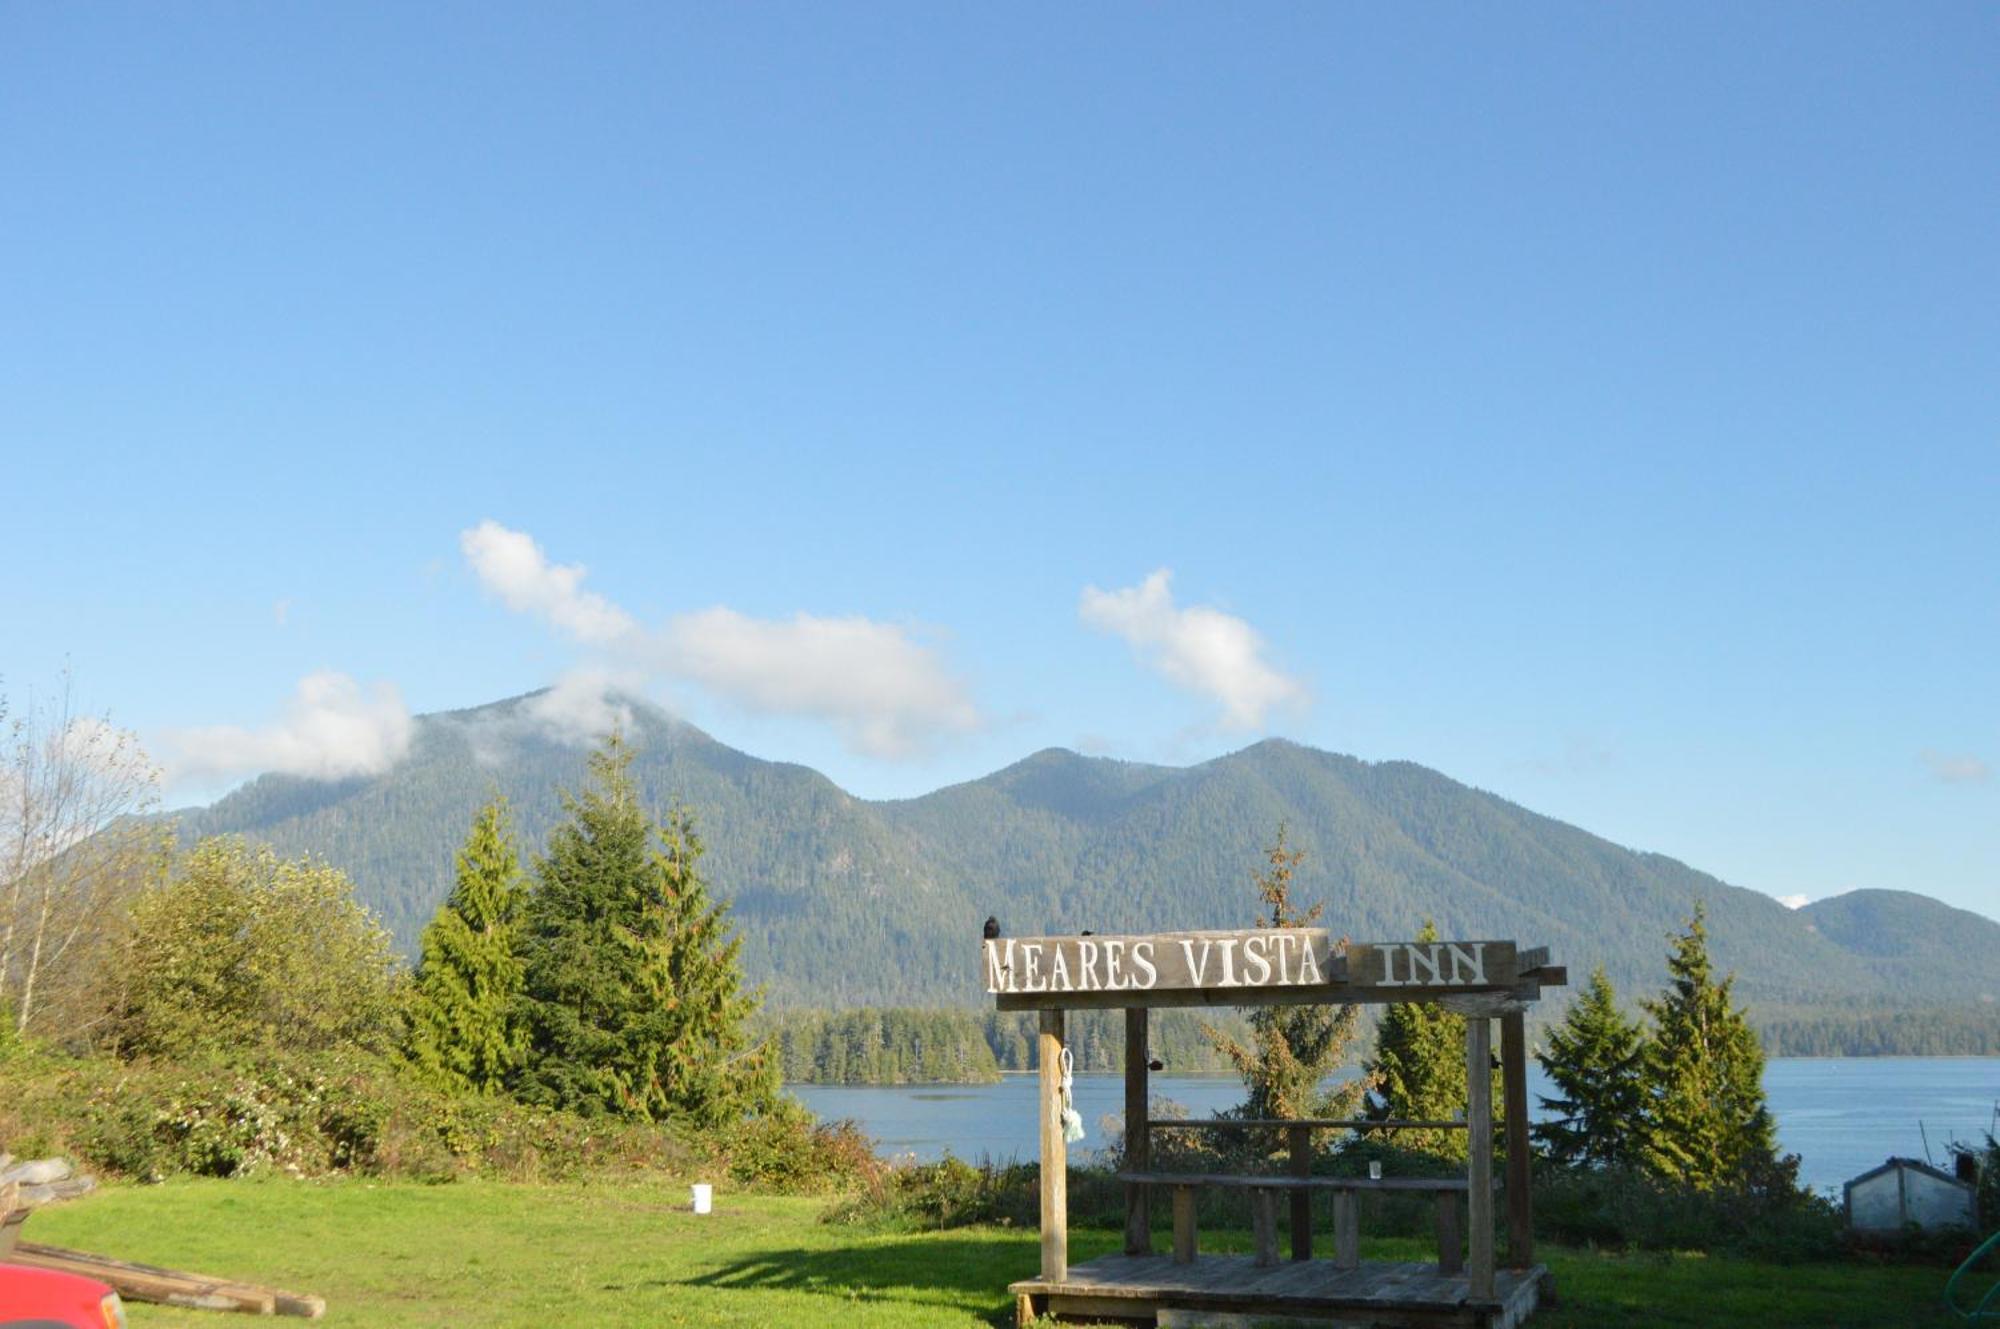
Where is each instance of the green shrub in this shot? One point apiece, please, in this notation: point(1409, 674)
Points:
point(1621, 1209)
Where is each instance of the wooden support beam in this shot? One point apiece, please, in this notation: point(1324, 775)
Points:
point(169, 1287)
point(1520, 1182)
point(1299, 1140)
point(1184, 1238)
point(1346, 1230)
point(1138, 1134)
point(1055, 1153)
point(1451, 1234)
point(1479, 1166)
point(1264, 1225)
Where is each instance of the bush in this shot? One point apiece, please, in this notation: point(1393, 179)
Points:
point(357, 1113)
point(949, 1193)
point(1623, 1209)
point(787, 1150)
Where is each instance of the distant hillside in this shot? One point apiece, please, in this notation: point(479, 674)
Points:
point(843, 901)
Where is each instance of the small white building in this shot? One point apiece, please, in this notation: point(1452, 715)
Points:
point(1902, 1192)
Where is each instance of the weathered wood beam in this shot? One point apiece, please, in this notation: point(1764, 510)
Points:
point(1298, 1142)
point(1055, 1152)
point(170, 1287)
point(1479, 1164)
point(1184, 1236)
point(1212, 998)
point(1313, 1123)
point(1514, 1087)
point(1138, 1134)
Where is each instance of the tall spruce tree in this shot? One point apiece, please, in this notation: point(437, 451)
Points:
point(1418, 1071)
point(465, 1030)
point(634, 995)
point(1596, 1060)
point(1292, 1049)
point(1707, 1124)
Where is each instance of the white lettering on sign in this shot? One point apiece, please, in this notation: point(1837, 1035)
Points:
point(1433, 964)
point(1281, 957)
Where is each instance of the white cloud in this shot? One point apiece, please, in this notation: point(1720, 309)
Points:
point(281, 612)
point(1956, 767)
point(584, 705)
point(1794, 901)
point(887, 693)
point(511, 565)
point(332, 730)
point(1198, 648)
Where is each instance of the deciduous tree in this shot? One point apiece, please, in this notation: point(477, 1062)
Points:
point(241, 950)
point(76, 845)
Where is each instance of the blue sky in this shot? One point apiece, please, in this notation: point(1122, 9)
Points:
point(1595, 404)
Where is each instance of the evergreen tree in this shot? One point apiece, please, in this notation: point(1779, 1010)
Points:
point(1418, 1071)
point(1292, 1049)
point(1706, 1121)
point(634, 995)
point(465, 1030)
point(1596, 1059)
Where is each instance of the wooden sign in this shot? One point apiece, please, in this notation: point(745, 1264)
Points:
point(1432, 965)
point(1254, 958)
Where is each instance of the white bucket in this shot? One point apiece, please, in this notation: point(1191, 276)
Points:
point(704, 1197)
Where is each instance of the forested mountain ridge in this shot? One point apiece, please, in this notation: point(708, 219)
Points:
point(843, 901)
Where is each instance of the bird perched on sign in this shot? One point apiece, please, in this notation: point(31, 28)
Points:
point(992, 928)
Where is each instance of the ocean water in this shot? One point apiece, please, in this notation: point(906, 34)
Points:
point(1842, 1116)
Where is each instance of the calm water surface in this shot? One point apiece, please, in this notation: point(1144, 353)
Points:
point(1842, 1116)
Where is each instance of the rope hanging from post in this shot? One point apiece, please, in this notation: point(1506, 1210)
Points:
point(1066, 1114)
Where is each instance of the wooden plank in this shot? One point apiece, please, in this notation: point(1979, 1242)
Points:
point(1316, 1123)
point(1520, 1182)
point(1346, 1230)
point(1298, 1139)
point(1217, 998)
point(1184, 1237)
point(1055, 1151)
point(169, 1287)
point(1450, 1234)
point(1138, 1134)
point(1239, 1181)
point(1479, 1170)
point(1264, 1225)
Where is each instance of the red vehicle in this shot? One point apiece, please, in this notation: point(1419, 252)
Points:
point(45, 1299)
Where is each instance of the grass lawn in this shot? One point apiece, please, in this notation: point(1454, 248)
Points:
point(488, 1254)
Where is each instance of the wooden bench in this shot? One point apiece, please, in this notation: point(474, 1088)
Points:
point(1346, 1214)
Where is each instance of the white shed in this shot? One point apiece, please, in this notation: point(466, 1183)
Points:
point(1903, 1191)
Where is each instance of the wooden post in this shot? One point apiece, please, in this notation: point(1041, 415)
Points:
point(1299, 1138)
point(1346, 1230)
point(1184, 1225)
point(1451, 1241)
point(1479, 1164)
point(1055, 1153)
point(1520, 1182)
point(1138, 1137)
point(1264, 1225)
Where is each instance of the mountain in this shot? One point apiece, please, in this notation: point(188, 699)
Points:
point(844, 901)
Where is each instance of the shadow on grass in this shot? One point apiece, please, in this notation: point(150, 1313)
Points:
point(967, 1273)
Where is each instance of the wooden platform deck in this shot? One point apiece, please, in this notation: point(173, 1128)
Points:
point(1225, 1290)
